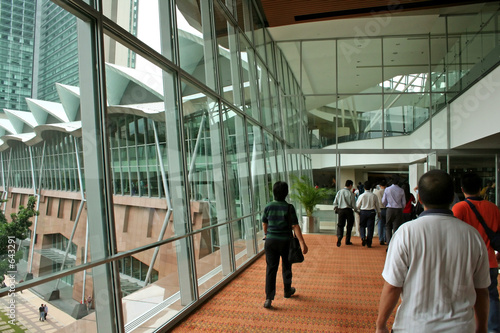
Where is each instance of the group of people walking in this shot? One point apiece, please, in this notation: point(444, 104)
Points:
point(442, 265)
point(390, 205)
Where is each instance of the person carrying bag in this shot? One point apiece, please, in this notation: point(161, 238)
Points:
point(278, 221)
point(295, 254)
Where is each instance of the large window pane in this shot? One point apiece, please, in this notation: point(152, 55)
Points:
point(360, 60)
point(196, 47)
point(359, 117)
point(257, 171)
point(238, 168)
point(322, 77)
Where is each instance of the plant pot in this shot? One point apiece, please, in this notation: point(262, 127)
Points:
point(310, 224)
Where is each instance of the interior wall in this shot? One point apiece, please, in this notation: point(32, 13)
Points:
point(475, 114)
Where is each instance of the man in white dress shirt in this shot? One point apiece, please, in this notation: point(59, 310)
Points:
point(345, 203)
point(439, 266)
point(368, 207)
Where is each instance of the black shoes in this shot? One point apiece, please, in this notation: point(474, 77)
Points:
point(382, 243)
point(363, 241)
point(348, 243)
point(339, 242)
point(287, 294)
point(268, 302)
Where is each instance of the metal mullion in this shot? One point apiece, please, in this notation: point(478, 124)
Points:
point(177, 170)
point(102, 229)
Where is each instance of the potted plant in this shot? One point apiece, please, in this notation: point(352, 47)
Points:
point(309, 196)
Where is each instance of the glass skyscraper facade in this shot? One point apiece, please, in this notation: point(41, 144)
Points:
point(159, 127)
point(17, 30)
point(56, 50)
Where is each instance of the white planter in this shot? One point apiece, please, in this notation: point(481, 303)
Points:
point(310, 225)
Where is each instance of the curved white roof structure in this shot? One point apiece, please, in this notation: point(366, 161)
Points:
point(30, 126)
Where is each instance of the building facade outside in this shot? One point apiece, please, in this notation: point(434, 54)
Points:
point(153, 155)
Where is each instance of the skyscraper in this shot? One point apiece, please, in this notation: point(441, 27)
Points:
point(17, 29)
point(56, 51)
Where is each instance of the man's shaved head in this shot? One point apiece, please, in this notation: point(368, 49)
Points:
point(435, 189)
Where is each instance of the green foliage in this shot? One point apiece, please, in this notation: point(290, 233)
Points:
point(308, 195)
point(19, 226)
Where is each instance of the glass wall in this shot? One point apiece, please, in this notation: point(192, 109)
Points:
point(151, 175)
point(378, 87)
point(151, 171)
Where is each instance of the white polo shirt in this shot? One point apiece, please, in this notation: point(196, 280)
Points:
point(439, 261)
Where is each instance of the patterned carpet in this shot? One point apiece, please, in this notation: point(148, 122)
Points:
point(338, 290)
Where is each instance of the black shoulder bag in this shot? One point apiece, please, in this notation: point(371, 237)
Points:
point(295, 252)
point(492, 235)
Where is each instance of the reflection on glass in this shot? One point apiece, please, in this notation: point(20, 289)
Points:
point(145, 300)
point(227, 50)
point(250, 91)
point(292, 52)
point(204, 153)
point(257, 166)
point(213, 259)
point(265, 98)
point(195, 41)
point(359, 117)
point(244, 241)
point(405, 112)
point(258, 32)
point(237, 164)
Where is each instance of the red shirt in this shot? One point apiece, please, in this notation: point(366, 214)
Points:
point(409, 204)
point(491, 215)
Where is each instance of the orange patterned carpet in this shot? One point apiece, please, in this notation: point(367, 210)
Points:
point(338, 290)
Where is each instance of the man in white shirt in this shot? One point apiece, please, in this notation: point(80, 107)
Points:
point(439, 267)
point(368, 207)
point(344, 204)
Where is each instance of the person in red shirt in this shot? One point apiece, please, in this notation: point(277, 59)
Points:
point(410, 201)
point(471, 187)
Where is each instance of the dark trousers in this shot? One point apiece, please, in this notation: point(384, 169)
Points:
point(367, 223)
point(345, 215)
point(276, 248)
point(394, 219)
point(494, 316)
point(381, 225)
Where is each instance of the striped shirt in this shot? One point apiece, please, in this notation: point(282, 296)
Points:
point(275, 215)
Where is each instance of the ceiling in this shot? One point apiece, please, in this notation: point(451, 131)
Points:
point(288, 12)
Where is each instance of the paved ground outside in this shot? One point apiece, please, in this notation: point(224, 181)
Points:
point(27, 316)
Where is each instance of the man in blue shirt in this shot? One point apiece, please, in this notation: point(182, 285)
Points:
point(394, 200)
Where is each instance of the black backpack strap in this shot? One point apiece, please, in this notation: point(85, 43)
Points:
point(489, 232)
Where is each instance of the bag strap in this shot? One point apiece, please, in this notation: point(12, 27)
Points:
point(289, 219)
point(489, 232)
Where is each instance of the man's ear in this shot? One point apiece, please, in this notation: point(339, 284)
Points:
point(418, 197)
